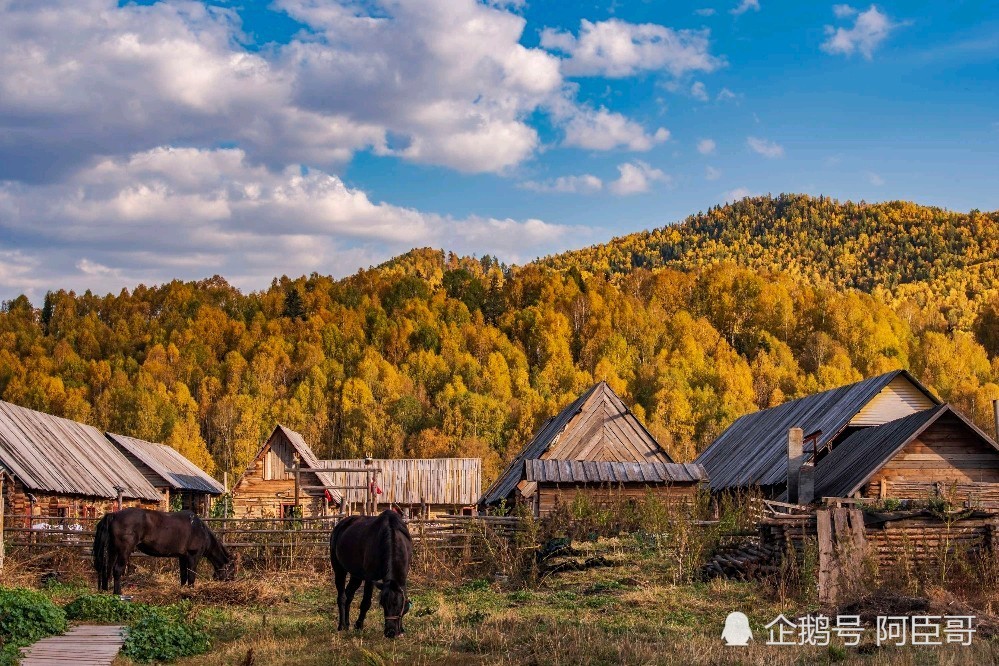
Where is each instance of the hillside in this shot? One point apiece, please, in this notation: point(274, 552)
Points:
point(435, 355)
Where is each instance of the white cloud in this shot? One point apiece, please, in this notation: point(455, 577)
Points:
point(637, 177)
point(769, 149)
point(868, 31)
point(745, 6)
point(706, 146)
point(699, 91)
point(600, 129)
point(438, 81)
point(583, 184)
point(711, 173)
point(616, 49)
point(187, 213)
point(875, 179)
point(843, 11)
point(706, 11)
point(736, 194)
point(725, 94)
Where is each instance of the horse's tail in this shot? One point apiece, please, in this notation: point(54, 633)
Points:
point(103, 561)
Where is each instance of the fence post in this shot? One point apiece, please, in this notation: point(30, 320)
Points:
point(2, 474)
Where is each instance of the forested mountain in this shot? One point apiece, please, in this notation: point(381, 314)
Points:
point(435, 355)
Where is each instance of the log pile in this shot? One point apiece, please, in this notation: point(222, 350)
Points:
point(754, 558)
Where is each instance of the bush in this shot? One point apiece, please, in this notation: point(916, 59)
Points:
point(104, 608)
point(25, 617)
point(159, 636)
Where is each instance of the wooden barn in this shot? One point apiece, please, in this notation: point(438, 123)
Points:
point(267, 489)
point(594, 446)
point(181, 482)
point(63, 469)
point(425, 487)
point(752, 453)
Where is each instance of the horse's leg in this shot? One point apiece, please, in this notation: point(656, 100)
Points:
point(355, 582)
point(120, 564)
point(365, 604)
point(340, 578)
point(192, 571)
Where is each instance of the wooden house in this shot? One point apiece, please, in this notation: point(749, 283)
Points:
point(182, 483)
point(753, 451)
point(594, 446)
point(267, 489)
point(425, 487)
point(62, 469)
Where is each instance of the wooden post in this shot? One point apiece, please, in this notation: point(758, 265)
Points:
point(995, 415)
point(120, 501)
point(2, 474)
point(298, 480)
point(794, 460)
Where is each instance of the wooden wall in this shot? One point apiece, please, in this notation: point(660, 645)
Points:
point(948, 453)
point(548, 494)
point(257, 497)
point(16, 504)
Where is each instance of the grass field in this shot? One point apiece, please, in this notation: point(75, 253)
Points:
point(629, 613)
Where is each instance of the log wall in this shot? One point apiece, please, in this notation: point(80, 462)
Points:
point(549, 494)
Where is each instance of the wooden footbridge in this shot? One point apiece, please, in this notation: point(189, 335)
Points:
point(87, 645)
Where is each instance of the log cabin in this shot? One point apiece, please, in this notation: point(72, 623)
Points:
point(183, 484)
point(57, 468)
point(597, 447)
point(267, 489)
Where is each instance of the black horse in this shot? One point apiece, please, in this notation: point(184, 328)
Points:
point(375, 550)
point(182, 535)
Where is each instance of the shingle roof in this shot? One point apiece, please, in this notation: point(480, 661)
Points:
point(854, 460)
point(753, 450)
point(615, 424)
point(49, 453)
point(176, 471)
point(590, 471)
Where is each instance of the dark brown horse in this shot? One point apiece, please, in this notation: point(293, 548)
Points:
point(376, 551)
point(182, 535)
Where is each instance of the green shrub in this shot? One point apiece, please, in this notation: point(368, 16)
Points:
point(161, 636)
point(104, 608)
point(25, 617)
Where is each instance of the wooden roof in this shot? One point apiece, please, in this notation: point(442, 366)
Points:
point(589, 471)
point(857, 458)
point(595, 426)
point(53, 454)
point(456, 481)
point(176, 471)
point(753, 450)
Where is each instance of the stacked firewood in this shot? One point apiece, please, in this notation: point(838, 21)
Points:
point(750, 559)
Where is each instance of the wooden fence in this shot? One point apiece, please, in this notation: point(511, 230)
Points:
point(266, 541)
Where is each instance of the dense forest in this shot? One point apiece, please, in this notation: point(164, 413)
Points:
point(431, 354)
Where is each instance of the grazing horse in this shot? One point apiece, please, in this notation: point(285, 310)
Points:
point(182, 535)
point(376, 551)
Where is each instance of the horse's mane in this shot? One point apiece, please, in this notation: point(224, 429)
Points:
point(390, 522)
point(214, 545)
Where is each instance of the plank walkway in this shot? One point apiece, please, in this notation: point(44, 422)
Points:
point(86, 645)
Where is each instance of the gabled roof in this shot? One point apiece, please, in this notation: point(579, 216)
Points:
point(52, 454)
point(174, 469)
point(455, 481)
point(753, 450)
point(308, 458)
point(858, 457)
point(590, 471)
point(595, 419)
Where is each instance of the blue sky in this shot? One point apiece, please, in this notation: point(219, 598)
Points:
point(141, 142)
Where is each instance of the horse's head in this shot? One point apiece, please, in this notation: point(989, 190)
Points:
point(222, 560)
point(395, 602)
point(226, 571)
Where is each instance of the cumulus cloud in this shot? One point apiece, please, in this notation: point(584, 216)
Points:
point(745, 6)
point(705, 11)
point(616, 49)
point(600, 129)
point(736, 194)
point(725, 94)
point(699, 91)
point(437, 81)
point(637, 177)
point(117, 222)
point(769, 149)
point(875, 179)
point(711, 173)
point(706, 146)
point(868, 31)
point(583, 184)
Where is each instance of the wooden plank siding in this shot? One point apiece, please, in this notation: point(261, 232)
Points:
point(551, 494)
point(896, 400)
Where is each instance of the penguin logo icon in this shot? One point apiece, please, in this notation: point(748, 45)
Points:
point(737, 631)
